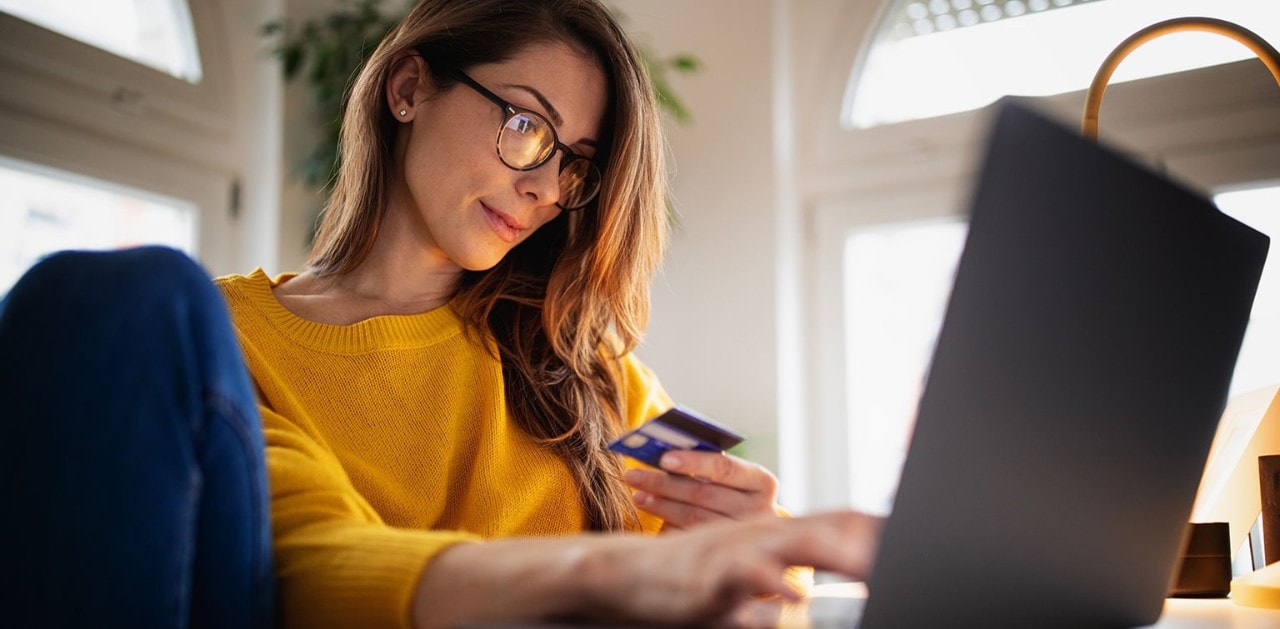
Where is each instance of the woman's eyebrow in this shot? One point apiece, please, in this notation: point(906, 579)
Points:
point(550, 109)
point(542, 100)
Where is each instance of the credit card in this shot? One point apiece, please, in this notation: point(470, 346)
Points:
point(676, 429)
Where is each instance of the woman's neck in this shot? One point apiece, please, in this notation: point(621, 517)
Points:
point(404, 269)
point(404, 273)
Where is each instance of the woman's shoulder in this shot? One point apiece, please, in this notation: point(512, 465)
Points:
point(252, 286)
point(642, 393)
point(307, 297)
point(301, 295)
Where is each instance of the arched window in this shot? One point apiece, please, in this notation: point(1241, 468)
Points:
point(156, 33)
point(892, 175)
point(934, 57)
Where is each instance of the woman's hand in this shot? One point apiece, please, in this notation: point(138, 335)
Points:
point(697, 577)
point(711, 571)
point(696, 487)
point(707, 574)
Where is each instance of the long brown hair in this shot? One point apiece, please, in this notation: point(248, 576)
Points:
point(573, 298)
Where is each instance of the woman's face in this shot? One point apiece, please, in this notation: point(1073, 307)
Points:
point(464, 203)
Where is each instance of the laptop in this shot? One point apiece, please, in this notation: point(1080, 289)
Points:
point(1085, 358)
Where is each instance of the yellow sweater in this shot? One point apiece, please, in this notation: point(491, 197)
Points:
point(387, 441)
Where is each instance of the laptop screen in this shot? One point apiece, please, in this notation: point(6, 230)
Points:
point(1084, 360)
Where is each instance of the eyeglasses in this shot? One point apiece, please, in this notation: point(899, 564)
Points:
point(526, 140)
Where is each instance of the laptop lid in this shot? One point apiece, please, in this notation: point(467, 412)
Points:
point(1084, 361)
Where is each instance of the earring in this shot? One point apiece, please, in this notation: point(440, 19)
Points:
point(404, 112)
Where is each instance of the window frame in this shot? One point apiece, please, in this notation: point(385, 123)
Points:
point(74, 107)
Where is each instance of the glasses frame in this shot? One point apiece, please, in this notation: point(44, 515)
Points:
point(509, 111)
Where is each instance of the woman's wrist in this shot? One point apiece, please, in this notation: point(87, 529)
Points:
point(597, 573)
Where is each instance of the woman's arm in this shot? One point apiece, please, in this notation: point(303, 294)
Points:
point(337, 563)
point(692, 576)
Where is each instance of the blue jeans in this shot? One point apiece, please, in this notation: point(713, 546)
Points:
point(133, 491)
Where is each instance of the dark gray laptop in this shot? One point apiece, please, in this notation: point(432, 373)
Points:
point(1084, 361)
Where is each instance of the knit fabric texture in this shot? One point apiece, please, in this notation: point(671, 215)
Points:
point(389, 440)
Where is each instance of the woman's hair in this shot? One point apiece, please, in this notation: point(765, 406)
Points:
point(566, 304)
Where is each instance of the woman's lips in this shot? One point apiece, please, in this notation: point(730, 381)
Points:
point(503, 224)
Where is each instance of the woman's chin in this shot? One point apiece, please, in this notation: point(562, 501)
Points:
point(479, 261)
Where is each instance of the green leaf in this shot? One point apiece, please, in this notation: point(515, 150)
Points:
point(686, 63)
point(321, 65)
point(291, 56)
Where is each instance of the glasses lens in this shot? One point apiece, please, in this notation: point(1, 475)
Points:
point(525, 141)
point(579, 183)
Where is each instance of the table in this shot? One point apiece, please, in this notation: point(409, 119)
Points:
point(834, 600)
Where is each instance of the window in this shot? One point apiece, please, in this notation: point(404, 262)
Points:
point(897, 279)
point(155, 33)
point(45, 210)
point(1257, 366)
point(933, 57)
point(86, 112)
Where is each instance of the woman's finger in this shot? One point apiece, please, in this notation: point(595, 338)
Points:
point(704, 494)
point(675, 514)
point(720, 468)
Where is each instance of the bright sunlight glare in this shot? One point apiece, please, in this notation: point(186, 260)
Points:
point(1040, 54)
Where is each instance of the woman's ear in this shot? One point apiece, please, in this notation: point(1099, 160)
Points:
point(407, 86)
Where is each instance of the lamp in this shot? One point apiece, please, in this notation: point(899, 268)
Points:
point(1230, 490)
point(1093, 99)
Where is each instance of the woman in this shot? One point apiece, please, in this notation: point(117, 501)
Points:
point(537, 247)
point(452, 364)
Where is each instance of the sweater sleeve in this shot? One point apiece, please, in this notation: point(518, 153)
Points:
point(643, 394)
point(337, 563)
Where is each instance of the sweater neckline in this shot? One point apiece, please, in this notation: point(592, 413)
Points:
point(375, 333)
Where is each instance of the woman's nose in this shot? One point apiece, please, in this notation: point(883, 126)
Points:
point(542, 183)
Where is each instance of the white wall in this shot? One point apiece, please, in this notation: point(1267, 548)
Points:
point(712, 335)
point(298, 202)
point(258, 133)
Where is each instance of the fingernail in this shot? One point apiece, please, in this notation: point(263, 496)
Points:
point(633, 477)
point(672, 461)
point(641, 498)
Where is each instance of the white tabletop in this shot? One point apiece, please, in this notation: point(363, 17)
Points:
point(1215, 613)
point(831, 600)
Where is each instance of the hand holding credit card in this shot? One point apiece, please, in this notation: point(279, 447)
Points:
point(676, 429)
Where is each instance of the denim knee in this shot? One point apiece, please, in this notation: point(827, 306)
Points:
point(87, 278)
